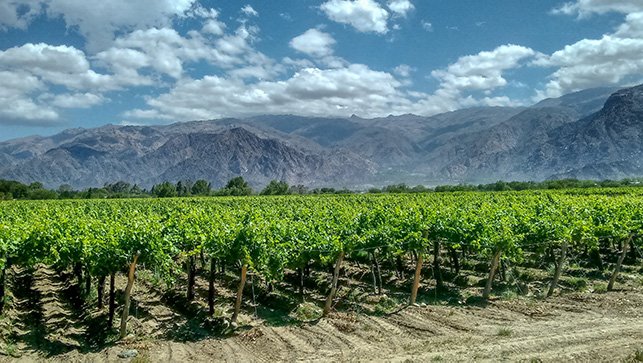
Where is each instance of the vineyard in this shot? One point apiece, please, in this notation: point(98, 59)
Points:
point(221, 263)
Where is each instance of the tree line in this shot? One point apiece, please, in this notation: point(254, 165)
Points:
point(238, 186)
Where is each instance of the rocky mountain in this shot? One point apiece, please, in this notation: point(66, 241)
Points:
point(594, 133)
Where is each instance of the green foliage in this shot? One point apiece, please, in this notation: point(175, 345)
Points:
point(307, 312)
point(164, 190)
point(272, 235)
point(236, 187)
point(275, 188)
point(201, 187)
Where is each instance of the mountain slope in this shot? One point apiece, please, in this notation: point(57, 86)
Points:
point(95, 157)
point(583, 135)
point(607, 144)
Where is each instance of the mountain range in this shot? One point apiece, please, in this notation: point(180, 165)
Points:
point(591, 134)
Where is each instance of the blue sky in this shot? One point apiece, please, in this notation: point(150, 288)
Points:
point(78, 63)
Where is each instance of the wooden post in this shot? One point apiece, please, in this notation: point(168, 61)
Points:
point(300, 274)
point(378, 272)
point(416, 279)
point(617, 269)
point(191, 278)
point(333, 285)
point(436, 264)
point(242, 284)
point(400, 266)
point(112, 300)
point(492, 272)
point(559, 269)
point(128, 292)
point(213, 271)
point(88, 281)
point(100, 289)
point(373, 274)
point(3, 279)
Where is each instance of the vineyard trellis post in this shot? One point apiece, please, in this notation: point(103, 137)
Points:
point(492, 272)
point(333, 285)
point(619, 263)
point(559, 269)
point(128, 292)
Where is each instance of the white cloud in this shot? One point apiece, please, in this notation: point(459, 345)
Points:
point(95, 20)
point(249, 11)
point(211, 24)
point(17, 107)
point(340, 90)
point(75, 100)
point(98, 21)
point(167, 52)
point(363, 15)
point(314, 43)
point(199, 11)
point(214, 27)
point(592, 63)
point(59, 65)
point(427, 26)
point(610, 60)
point(310, 91)
point(584, 8)
point(28, 74)
point(482, 71)
point(632, 28)
point(404, 70)
point(18, 14)
point(400, 7)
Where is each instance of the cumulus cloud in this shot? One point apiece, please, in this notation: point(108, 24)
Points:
point(214, 27)
point(310, 91)
point(314, 43)
point(592, 63)
point(400, 7)
point(74, 100)
point(18, 14)
point(404, 70)
point(584, 8)
point(482, 71)
point(363, 15)
point(31, 71)
point(610, 60)
point(632, 28)
point(59, 65)
point(165, 51)
point(97, 21)
point(17, 105)
point(249, 11)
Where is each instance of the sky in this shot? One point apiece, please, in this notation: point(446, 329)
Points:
point(78, 63)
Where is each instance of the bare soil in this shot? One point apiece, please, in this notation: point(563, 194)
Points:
point(573, 326)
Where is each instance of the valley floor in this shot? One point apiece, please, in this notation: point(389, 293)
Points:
point(572, 327)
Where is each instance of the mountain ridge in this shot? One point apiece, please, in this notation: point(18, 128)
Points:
point(570, 136)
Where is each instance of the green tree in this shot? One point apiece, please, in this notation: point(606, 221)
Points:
point(36, 185)
point(164, 190)
point(65, 191)
point(236, 186)
point(275, 188)
point(184, 188)
point(201, 187)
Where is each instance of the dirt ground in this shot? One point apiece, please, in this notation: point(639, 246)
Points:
point(575, 327)
point(49, 323)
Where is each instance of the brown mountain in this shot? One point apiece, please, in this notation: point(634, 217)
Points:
point(587, 134)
